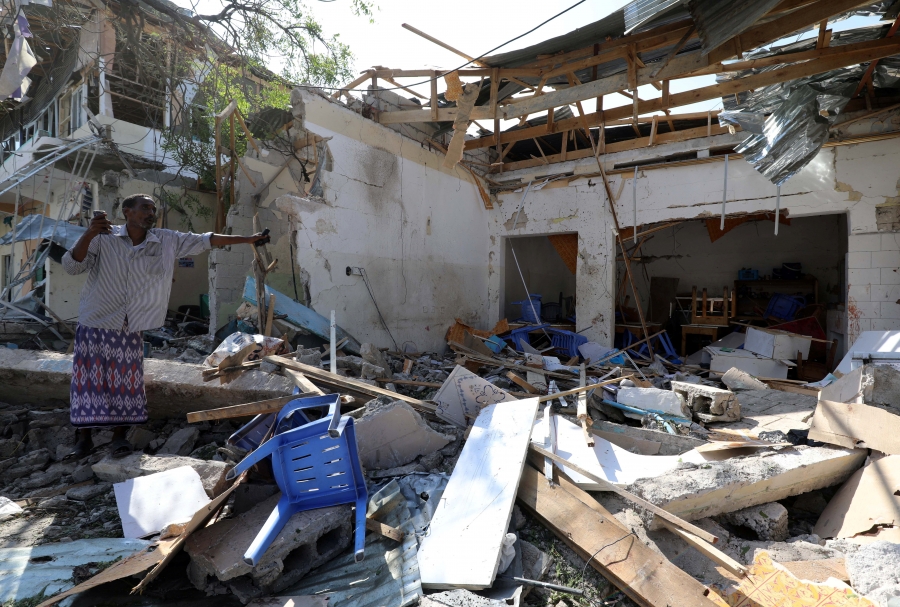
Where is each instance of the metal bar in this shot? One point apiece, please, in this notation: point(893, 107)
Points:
point(44, 162)
point(724, 195)
point(777, 209)
point(634, 202)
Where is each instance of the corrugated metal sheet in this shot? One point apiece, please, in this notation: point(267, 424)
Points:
point(720, 20)
point(29, 228)
point(640, 12)
point(389, 575)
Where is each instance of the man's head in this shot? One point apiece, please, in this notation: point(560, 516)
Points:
point(139, 211)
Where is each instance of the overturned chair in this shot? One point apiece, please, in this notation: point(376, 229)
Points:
point(316, 465)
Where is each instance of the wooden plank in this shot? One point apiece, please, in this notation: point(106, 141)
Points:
point(352, 85)
point(462, 549)
point(384, 530)
point(325, 377)
point(645, 576)
point(707, 93)
point(464, 106)
point(708, 550)
point(521, 383)
point(302, 382)
point(855, 425)
point(667, 516)
point(272, 405)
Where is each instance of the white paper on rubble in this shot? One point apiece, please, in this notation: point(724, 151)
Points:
point(148, 503)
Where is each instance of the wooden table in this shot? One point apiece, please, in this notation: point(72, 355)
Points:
point(711, 330)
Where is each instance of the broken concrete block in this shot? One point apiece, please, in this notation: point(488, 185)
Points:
point(394, 434)
point(310, 356)
point(370, 371)
point(875, 571)
point(140, 437)
point(371, 354)
point(654, 399)
point(869, 384)
point(212, 473)
point(707, 403)
point(768, 521)
point(82, 473)
point(181, 442)
point(736, 379)
point(697, 491)
point(88, 492)
point(308, 540)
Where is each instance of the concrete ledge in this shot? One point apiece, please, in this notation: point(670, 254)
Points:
point(173, 388)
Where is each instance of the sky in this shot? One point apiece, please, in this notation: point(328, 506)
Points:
point(474, 27)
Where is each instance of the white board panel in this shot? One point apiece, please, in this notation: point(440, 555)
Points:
point(462, 547)
point(606, 460)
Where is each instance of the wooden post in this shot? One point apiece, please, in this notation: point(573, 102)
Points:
point(233, 166)
point(434, 96)
point(270, 316)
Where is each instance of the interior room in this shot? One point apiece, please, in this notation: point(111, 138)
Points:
point(547, 265)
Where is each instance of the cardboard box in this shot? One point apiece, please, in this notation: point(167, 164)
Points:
point(772, 343)
point(748, 362)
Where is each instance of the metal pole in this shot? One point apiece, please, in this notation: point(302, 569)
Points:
point(333, 349)
point(634, 202)
point(724, 195)
point(777, 209)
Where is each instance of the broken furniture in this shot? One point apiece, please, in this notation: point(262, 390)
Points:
point(813, 371)
point(752, 297)
point(708, 315)
point(316, 465)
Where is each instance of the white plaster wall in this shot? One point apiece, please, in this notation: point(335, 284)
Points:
point(849, 179)
point(418, 230)
point(63, 291)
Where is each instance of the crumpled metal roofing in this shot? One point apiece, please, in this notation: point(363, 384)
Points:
point(641, 11)
point(29, 228)
point(800, 111)
point(718, 21)
point(795, 132)
point(389, 574)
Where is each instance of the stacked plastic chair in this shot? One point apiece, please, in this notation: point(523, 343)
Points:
point(316, 465)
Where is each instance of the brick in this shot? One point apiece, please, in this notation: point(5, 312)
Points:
point(862, 277)
point(861, 293)
point(886, 259)
point(860, 260)
point(889, 276)
point(889, 310)
point(883, 324)
point(864, 242)
point(890, 242)
point(869, 309)
point(860, 324)
point(884, 293)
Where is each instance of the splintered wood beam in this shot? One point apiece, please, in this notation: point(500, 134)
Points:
point(464, 106)
point(352, 85)
point(792, 72)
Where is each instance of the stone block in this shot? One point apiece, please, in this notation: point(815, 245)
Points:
point(212, 473)
point(860, 260)
point(736, 379)
point(886, 259)
point(693, 492)
point(861, 292)
point(140, 437)
point(389, 435)
point(309, 539)
point(181, 442)
point(889, 276)
point(864, 277)
point(41, 479)
point(707, 403)
point(82, 473)
point(88, 492)
point(864, 242)
point(370, 353)
point(768, 521)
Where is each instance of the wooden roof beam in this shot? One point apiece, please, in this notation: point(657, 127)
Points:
point(816, 66)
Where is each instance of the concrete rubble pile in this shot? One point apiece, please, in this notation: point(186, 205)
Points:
point(714, 482)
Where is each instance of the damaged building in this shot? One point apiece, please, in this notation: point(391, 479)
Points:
point(542, 334)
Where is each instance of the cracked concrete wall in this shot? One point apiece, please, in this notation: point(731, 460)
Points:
point(418, 230)
point(853, 179)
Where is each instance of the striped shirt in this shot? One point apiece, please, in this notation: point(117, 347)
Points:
point(127, 281)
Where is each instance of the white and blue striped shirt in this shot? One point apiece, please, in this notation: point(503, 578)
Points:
point(127, 281)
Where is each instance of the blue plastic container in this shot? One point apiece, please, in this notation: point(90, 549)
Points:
point(748, 274)
point(531, 310)
point(784, 306)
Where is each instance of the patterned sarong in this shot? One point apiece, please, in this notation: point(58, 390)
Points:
point(107, 378)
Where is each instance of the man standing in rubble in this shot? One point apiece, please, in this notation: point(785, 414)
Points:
point(127, 291)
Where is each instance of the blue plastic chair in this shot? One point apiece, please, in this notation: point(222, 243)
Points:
point(316, 465)
point(252, 434)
